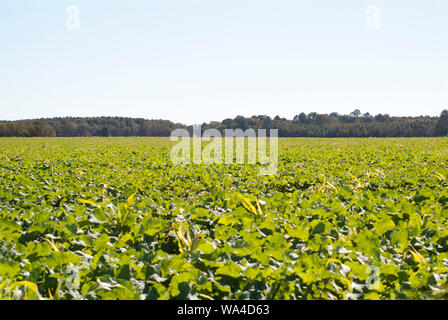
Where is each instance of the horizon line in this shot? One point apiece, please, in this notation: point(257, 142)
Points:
point(176, 122)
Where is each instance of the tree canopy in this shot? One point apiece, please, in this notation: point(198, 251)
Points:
point(313, 124)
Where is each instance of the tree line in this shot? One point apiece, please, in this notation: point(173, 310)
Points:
point(312, 124)
point(88, 127)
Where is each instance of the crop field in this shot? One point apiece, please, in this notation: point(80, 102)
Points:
point(113, 218)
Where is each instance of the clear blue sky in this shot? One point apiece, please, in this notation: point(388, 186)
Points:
point(192, 61)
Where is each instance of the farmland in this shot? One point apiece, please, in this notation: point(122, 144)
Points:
point(113, 218)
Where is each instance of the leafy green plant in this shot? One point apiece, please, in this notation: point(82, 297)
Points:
point(113, 218)
point(247, 203)
point(116, 215)
point(186, 243)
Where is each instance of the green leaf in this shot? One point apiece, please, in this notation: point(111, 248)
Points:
point(130, 201)
point(152, 226)
point(230, 269)
point(400, 238)
point(383, 225)
point(299, 232)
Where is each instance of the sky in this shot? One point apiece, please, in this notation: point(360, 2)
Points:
point(194, 61)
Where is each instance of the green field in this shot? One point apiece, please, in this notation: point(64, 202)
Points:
point(113, 218)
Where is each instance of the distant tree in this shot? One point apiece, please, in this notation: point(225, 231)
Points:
point(266, 122)
point(380, 118)
point(355, 114)
point(227, 123)
point(303, 118)
point(3, 130)
point(83, 129)
point(367, 117)
point(70, 129)
point(442, 124)
point(240, 123)
point(104, 132)
point(334, 115)
point(345, 118)
point(312, 116)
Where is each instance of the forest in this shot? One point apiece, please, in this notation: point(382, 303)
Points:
point(312, 124)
